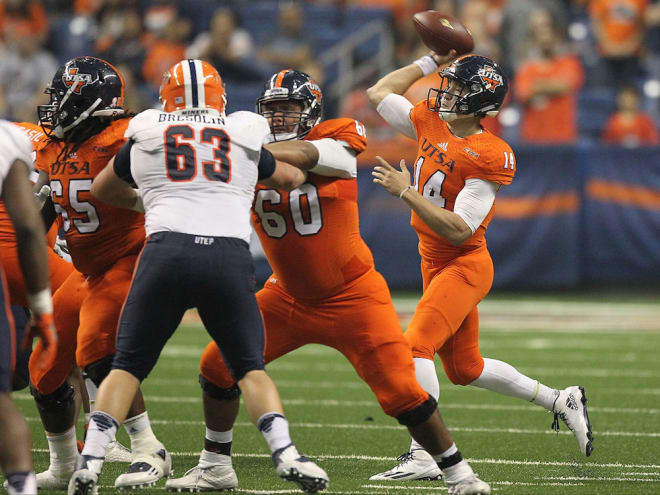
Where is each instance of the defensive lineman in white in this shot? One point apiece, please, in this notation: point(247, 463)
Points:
point(196, 171)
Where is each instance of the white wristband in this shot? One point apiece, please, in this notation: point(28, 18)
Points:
point(427, 64)
point(41, 302)
point(139, 205)
point(404, 192)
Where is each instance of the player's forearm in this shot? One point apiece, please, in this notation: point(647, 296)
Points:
point(445, 223)
point(396, 82)
point(30, 233)
point(300, 154)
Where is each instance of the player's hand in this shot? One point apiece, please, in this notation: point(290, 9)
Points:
point(442, 60)
point(42, 195)
point(62, 249)
point(393, 180)
point(42, 326)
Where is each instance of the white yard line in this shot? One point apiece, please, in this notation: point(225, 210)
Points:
point(321, 457)
point(346, 426)
point(373, 403)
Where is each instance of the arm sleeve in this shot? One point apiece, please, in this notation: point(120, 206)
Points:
point(122, 164)
point(15, 146)
point(474, 201)
point(336, 159)
point(266, 164)
point(395, 109)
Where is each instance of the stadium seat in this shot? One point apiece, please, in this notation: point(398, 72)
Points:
point(594, 108)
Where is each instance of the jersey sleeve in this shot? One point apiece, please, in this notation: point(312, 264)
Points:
point(16, 145)
point(417, 114)
point(495, 162)
point(350, 131)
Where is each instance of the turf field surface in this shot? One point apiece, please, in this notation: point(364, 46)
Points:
point(608, 346)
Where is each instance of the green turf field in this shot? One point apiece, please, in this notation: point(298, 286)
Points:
point(609, 348)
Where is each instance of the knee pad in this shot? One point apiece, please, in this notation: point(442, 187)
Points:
point(218, 393)
point(61, 399)
point(418, 415)
point(99, 370)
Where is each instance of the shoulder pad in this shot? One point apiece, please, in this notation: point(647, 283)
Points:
point(141, 122)
point(248, 129)
point(351, 131)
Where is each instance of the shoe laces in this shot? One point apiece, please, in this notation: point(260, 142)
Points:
point(406, 457)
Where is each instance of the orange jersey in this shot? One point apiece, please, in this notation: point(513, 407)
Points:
point(38, 138)
point(637, 131)
point(311, 235)
point(444, 162)
point(97, 234)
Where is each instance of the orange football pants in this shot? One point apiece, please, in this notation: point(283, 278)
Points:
point(361, 323)
point(446, 320)
point(86, 313)
point(58, 269)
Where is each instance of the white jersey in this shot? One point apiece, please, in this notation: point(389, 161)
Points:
point(197, 173)
point(14, 145)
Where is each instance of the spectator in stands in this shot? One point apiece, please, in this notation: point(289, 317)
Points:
point(27, 16)
point(121, 42)
point(619, 27)
point(168, 32)
point(25, 71)
point(482, 18)
point(292, 46)
point(514, 29)
point(229, 48)
point(547, 84)
point(629, 126)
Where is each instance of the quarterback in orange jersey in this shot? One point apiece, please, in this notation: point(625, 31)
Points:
point(330, 294)
point(458, 170)
point(85, 123)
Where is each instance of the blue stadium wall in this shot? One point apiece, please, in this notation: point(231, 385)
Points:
point(573, 216)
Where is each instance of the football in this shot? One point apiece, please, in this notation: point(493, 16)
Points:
point(441, 32)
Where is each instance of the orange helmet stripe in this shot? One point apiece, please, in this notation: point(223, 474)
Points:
point(279, 78)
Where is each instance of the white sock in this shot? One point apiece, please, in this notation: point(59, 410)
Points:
point(102, 430)
point(220, 436)
point(275, 429)
point(428, 379)
point(63, 450)
point(209, 459)
point(457, 472)
point(23, 483)
point(139, 429)
point(503, 378)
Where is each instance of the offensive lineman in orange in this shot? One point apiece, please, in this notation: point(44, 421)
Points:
point(331, 294)
point(85, 122)
point(458, 170)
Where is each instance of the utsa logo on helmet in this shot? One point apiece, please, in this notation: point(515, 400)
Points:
point(71, 76)
point(490, 78)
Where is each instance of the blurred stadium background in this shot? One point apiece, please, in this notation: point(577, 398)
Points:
point(575, 239)
point(582, 114)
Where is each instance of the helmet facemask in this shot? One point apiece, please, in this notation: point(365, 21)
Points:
point(453, 98)
point(287, 117)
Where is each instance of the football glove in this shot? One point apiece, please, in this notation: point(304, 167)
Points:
point(42, 326)
point(62, 249)
point(42, 195)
